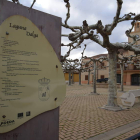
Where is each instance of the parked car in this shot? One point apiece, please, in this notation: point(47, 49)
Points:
point(102, 80)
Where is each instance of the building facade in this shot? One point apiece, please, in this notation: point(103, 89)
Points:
point(100, 73)
point(131, 75)
point(74, 77)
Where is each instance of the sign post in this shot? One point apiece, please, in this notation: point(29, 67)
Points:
point(32, 85)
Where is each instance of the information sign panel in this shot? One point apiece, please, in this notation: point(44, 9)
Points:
point(31, 77)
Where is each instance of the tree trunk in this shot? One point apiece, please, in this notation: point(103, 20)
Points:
point(94, 80)
point(79, 77)
point(88, 76)
point(73, 78)
point(69, 77)
point(112, 98)
point(122, 76)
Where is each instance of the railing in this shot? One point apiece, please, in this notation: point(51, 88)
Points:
point(135, 137)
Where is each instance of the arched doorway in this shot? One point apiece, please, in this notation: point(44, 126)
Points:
point(135, 79)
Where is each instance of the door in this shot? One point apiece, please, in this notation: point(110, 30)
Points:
point(135, 79)
point(118, 78)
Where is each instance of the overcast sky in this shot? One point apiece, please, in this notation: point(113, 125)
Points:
point(92, 11)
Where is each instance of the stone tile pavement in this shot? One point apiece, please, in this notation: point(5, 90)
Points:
point(82, 118)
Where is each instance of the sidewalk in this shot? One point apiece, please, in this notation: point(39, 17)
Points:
point(120, 133)
point(81, 118)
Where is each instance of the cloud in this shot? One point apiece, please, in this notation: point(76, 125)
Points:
point(92, 11)
point(52, 6)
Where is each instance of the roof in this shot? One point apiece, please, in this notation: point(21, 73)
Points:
point(97, 56)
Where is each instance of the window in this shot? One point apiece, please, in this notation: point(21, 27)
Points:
point(137, 25)
point(118, 78)
point(102, 76)
point(86, 77)
point(118, 65)
point(86, 65)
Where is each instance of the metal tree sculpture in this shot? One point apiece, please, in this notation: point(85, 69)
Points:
point(80, 33)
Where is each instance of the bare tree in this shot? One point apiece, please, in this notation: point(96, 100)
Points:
point(81, 33)
point(69, 66)
point(81, 68)
point(124, 61)
point(88, 69)
point(95, 67)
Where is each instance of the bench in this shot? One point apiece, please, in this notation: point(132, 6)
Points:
point(128, 98)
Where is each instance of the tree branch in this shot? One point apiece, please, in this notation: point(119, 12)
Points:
point(127, 47)
point(116, 18)
point(86, 31)
point(32, 4)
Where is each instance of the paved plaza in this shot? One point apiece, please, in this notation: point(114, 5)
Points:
point(81, 117)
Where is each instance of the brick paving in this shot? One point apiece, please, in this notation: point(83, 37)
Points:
point(81, 116)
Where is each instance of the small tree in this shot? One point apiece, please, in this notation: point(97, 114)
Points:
point(69, 66)
point(88, 69)
point(95, 67)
